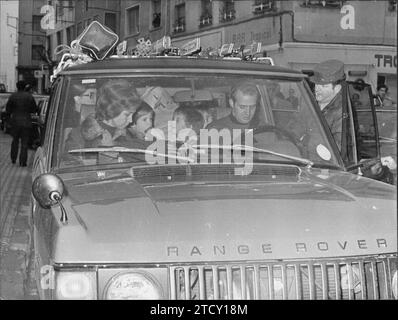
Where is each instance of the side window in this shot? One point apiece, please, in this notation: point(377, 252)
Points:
point(50, 123)
point(387, 126)
point(364, 121)
point(45, 135)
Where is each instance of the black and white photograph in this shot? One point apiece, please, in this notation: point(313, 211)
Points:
point(206, 150)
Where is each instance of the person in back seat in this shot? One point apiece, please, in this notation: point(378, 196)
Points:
point(142, 122)
point(188, 118)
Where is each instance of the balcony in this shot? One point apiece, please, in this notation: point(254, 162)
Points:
point(179, 26)
point(263, 7)
point(226, 16)
point(205, 20)
point(323, 4)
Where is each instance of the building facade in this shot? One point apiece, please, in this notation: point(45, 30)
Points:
point(362, 34)
point(72, 17)
point(297, 34)
point(8, 43)
point(60, 29)
point(31, 42)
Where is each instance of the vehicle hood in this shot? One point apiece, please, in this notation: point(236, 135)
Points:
point(319, 214)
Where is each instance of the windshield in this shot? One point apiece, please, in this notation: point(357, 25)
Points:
point(170, 119)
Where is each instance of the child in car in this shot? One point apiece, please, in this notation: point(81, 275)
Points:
point(189, 121)
point(90, 134)
point(94, 134)
point(188, 118)
point(137, 133)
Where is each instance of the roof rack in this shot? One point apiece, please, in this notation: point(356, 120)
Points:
point(163, 47)
point(97, 42)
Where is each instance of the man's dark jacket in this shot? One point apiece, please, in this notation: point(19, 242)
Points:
point(19, 107)
point(333, 114)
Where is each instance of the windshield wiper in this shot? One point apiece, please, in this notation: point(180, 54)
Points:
point(240, 147)
point(131, 150)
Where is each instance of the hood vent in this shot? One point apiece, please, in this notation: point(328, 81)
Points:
point(218, 172)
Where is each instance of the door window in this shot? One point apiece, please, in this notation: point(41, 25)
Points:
point(364, 121)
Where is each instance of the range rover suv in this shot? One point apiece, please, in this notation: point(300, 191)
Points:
point(272, 212)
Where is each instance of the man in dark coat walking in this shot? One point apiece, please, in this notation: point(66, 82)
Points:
point(19, 107)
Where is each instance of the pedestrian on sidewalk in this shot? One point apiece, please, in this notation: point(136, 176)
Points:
point(383, 100)
point(19, 107)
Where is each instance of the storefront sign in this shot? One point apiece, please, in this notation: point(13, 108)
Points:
point(261, 30)
point(207, 40)
point(385, 61)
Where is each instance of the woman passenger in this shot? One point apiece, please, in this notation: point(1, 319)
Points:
point(117, 101)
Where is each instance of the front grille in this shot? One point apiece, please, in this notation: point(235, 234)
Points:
point(346, 279)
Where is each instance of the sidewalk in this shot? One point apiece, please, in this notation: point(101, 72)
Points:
point(15, 223)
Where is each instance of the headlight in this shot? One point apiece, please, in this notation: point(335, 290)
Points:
point(76, 285)
point(394, 284)
point(131, 286)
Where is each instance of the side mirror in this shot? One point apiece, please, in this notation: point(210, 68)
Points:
point(48, 190)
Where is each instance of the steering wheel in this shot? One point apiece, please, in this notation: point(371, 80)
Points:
point(279, 131)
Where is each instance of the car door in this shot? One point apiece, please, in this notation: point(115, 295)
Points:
point(364, 128)
point(361, 130)
point(387, 128)
point(40, 217)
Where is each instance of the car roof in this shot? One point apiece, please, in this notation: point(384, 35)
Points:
point(162, 64)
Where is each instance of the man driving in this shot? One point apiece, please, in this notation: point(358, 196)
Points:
point(243, 102)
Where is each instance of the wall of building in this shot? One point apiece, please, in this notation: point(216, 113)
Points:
point(245, 28)
point(64, 18)
point(8, 43)
point(86, 12)
point(372, 23)
point(375, 24)
point(368, 49)
point(30, 38)
point(294, 35)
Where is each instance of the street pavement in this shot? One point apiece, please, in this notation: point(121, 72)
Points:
point(15, 225)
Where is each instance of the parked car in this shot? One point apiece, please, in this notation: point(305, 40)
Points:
point(5, 124)
point(38, 121)
point(281, 218)
point(3, 101)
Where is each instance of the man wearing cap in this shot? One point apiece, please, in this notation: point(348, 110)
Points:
point(328, 76)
